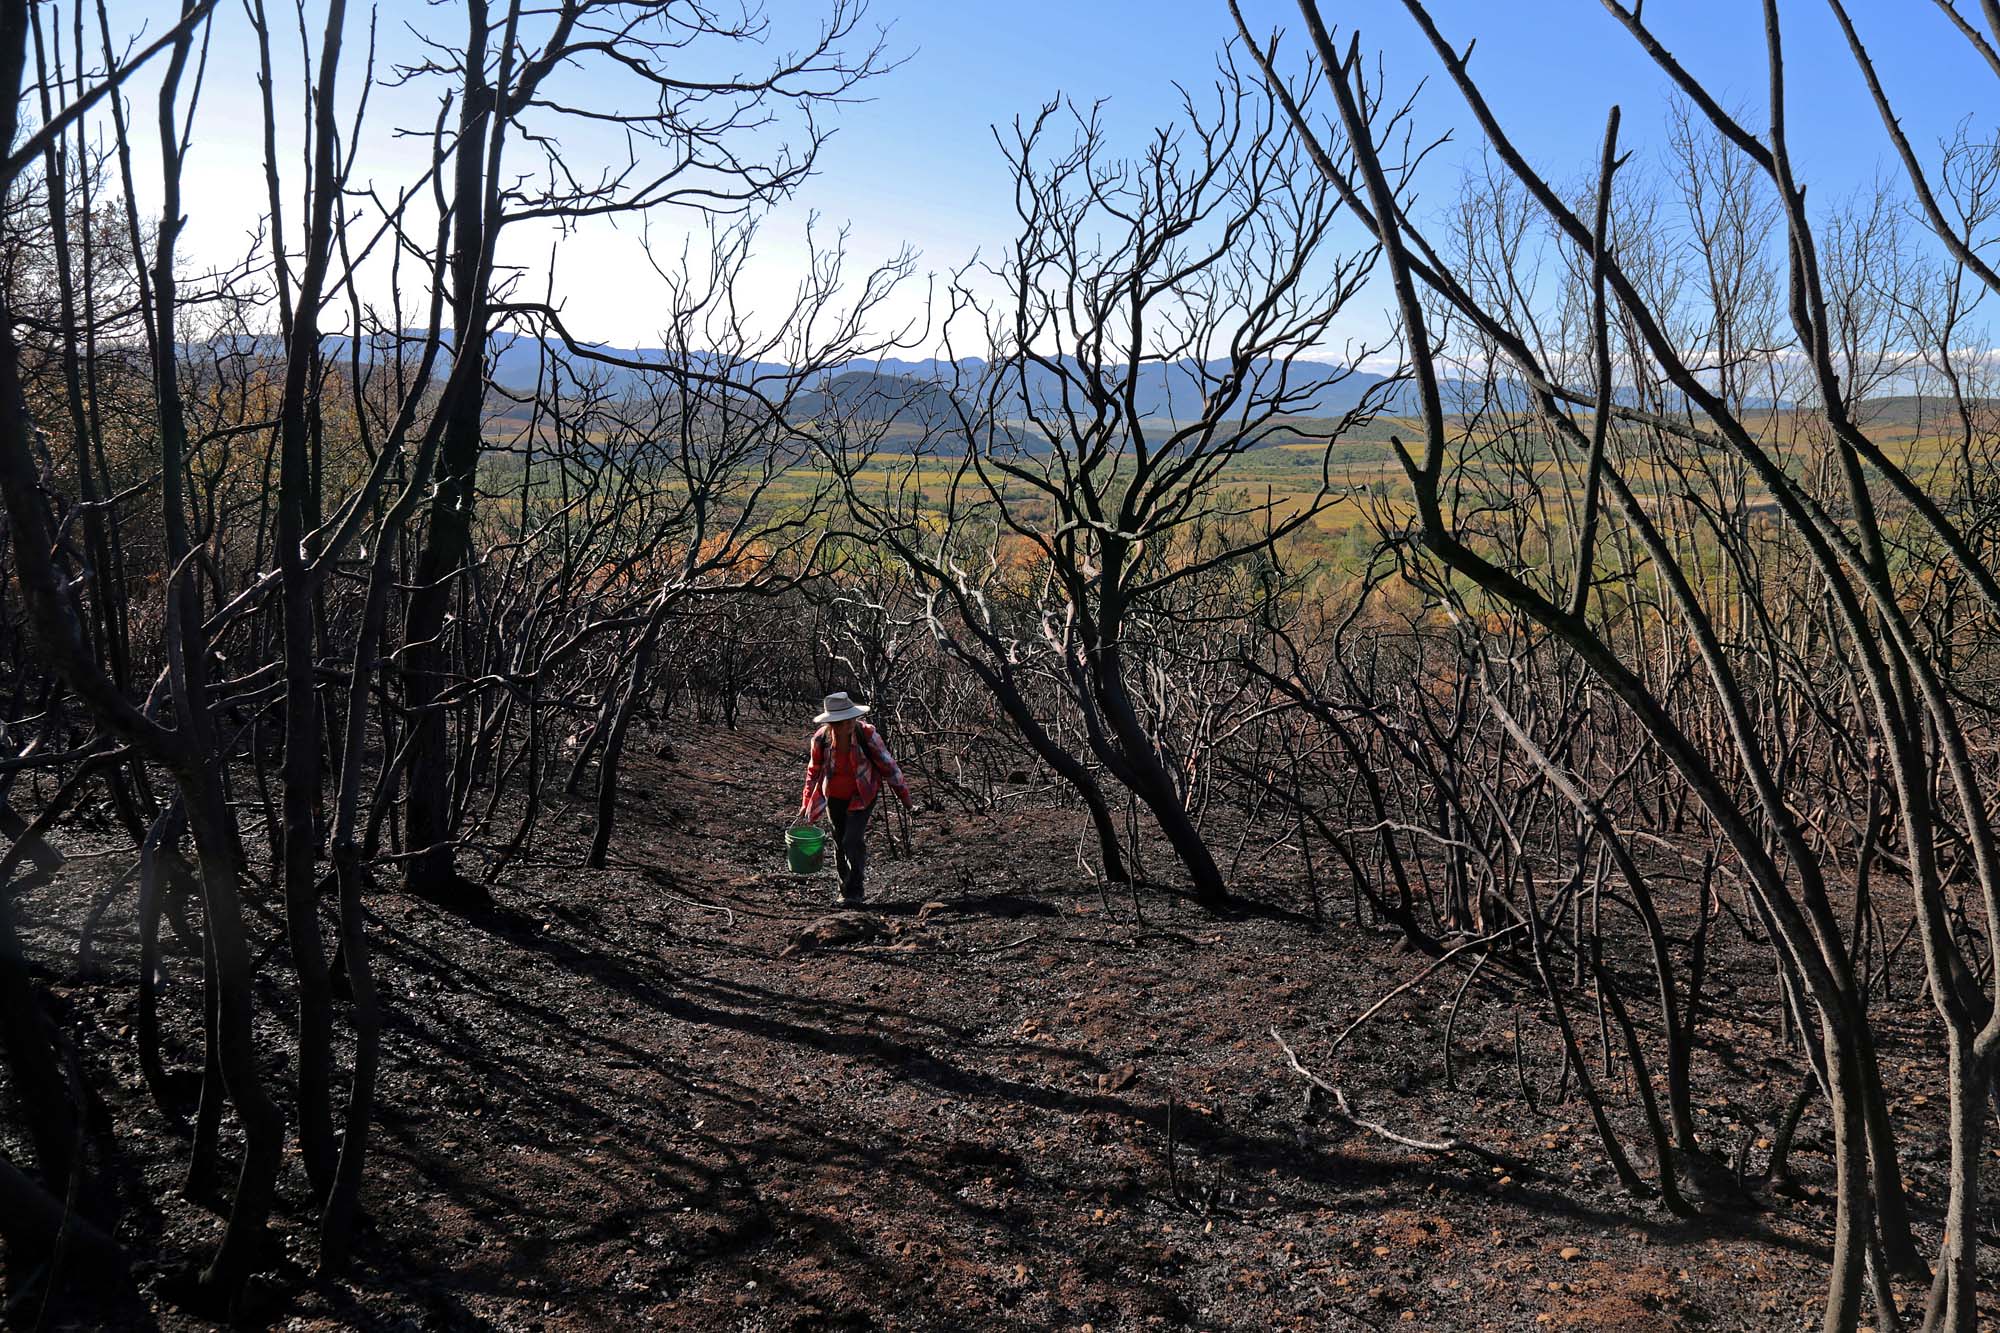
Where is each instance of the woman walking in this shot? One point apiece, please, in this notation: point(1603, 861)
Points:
point(845, 770)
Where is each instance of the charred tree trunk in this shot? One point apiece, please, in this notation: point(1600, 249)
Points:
point(1066, 765)
point(614, 738)
point(1149, 780)
point(432, 870)
point(303, 779)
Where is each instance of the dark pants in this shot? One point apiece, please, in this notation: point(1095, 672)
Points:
point(850, 845)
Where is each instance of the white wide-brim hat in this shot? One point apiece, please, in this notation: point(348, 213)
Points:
point(839, 708)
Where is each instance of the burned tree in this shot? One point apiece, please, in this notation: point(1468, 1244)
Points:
point(1900, 681)
point(514, 79)
point(1155, 323)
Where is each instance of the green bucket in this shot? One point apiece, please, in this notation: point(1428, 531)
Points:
point(805, 848)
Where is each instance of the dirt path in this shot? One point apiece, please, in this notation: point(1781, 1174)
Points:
point(609, 1105)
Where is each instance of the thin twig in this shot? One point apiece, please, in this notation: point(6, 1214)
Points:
point(1434, 965)
point(999, 948)
point(1452, 1144)
point(706, 907)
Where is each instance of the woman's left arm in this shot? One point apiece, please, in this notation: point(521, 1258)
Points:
point(891, 774)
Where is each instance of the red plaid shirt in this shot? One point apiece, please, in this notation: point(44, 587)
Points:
point(873, 765)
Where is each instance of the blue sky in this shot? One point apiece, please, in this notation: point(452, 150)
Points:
point(916, 163)
point(920, 158)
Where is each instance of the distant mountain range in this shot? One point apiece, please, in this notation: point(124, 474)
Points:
point(1173, 390)
point(1165, 390)
point(922, 388)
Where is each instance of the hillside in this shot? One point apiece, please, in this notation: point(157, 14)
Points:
point(628, 1098)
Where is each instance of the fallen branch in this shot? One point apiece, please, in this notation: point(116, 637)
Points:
point(1000, 948)
point(1451, 1144)
point(1434, 965)
point(697, 903)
